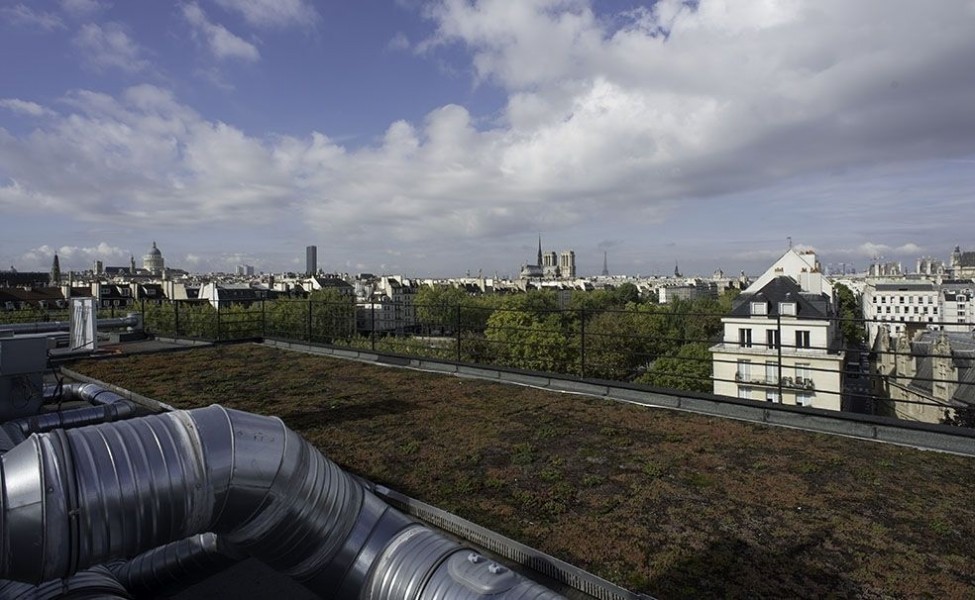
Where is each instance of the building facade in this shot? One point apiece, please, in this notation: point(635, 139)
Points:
point(153, 262)
point(962, 264)
point(780, 345)
point(901, 305)
point(924, 378)
point(958, 310)
point(550, 265)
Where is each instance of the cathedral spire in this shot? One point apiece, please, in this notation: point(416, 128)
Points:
point(539, 263)
point(56, 271)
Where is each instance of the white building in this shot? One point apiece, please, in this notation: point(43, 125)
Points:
point(800, 265)
point(900, 305)
point(225, 294)
point(958, 310)
point(153, 261)
point(780, 345)
point(400, 291)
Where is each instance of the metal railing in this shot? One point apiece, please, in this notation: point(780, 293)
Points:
point(666, 346)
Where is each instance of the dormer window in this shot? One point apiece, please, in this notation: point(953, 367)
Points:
point(787, 309)
point(759, 308)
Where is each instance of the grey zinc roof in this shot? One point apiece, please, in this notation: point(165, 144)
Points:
point(784, 289)
point(905, 286)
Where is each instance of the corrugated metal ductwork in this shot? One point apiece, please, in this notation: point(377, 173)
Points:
point(96, 582)
point(176, 565)
point(109, 406)
point(81, 497)
point(130, 320)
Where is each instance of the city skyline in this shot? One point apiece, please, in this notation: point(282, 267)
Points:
point(152, 262)
point(439, 138)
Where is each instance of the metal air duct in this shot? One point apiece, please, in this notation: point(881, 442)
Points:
point(80, 497)
point(176, 565)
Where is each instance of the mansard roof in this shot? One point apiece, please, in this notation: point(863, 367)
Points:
point(784, 289)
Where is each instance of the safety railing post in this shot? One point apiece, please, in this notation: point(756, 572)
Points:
point(309, 319)
point(778, 333)
point(457, 329)
point(582, 342)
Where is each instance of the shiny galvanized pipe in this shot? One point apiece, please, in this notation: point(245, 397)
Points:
point(20, 428)
point(109, 406)
point(130, 320)
point(86, 496)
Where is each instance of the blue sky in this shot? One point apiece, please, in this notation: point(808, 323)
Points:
point(441, 137)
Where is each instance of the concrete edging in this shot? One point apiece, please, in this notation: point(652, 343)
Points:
point(805, 420)
point(144, 401)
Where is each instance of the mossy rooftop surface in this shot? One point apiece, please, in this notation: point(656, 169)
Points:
point(671, 504)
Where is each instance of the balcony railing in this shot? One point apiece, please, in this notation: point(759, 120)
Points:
point(787, 382)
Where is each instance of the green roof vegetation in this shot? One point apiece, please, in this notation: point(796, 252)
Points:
point(667, 503)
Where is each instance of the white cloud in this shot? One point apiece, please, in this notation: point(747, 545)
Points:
point(873, 250)
point(142, 156)
point(25, 107)
point(23, 16)
point(631, 117)
point(273, 13)
point(73, 257)
point(83, 8)
point(108, 46)
point(399, 42)
point(222, 43)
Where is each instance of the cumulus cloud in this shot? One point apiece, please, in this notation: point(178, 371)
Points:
point(633, 114)
point(221, 42)
point(22, 15)
point(25, 107)
point(108, 46)
point(875, 250)
point(73, 257)
point(721, 97)
point(273, 13)
point(142, 156)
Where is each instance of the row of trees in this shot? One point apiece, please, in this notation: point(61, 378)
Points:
point(609, 334)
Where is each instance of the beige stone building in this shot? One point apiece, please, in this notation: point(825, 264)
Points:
point(925, 376)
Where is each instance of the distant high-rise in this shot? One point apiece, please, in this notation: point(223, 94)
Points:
point(311, 260)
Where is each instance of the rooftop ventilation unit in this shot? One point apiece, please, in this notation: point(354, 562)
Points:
point(22, 362)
